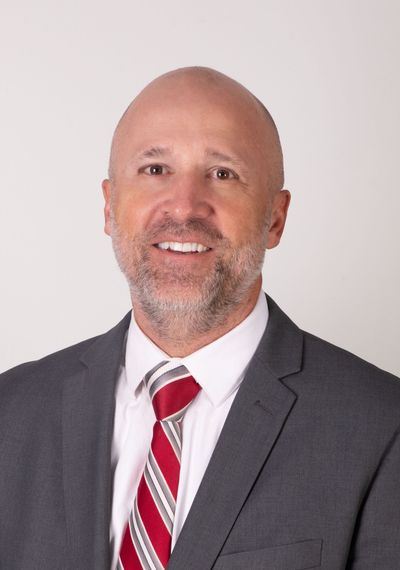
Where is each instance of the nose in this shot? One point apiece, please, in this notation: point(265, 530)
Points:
point(188, 197)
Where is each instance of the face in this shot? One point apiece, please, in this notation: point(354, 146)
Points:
point(188, 207)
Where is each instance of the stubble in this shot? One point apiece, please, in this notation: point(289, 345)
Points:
point(178, 302)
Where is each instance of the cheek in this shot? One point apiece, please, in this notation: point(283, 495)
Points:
point(130, 213)
point(244, 223)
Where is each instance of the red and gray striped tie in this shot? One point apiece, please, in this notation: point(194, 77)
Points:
point(146, 543)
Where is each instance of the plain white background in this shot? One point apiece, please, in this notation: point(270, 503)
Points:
point(327, 70)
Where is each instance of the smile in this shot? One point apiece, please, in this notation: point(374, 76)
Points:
point(186, 247)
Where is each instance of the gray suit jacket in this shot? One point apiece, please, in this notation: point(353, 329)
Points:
point(306, 472)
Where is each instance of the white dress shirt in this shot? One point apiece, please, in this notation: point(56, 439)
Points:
point(218, 367)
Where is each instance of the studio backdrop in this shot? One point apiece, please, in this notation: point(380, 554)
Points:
point(327, 70)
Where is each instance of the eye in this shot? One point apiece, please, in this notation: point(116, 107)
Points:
point(154, 169)
point(224, 174)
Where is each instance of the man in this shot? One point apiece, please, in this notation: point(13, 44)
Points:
point(271, 448)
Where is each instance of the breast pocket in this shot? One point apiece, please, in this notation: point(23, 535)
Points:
point(298, 556)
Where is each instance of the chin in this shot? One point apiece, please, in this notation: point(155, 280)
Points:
point(178, 300)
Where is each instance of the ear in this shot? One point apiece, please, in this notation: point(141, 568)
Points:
point(280, 206)
point(106, 186)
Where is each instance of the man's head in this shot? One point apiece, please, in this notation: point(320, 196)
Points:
point(196, 163)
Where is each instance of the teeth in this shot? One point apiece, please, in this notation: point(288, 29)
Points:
point(183, 247)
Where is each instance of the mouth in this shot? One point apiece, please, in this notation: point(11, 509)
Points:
point(182, 247)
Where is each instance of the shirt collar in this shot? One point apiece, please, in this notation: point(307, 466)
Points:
point(218, 367)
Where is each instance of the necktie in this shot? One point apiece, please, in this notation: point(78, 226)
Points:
point(146, 544)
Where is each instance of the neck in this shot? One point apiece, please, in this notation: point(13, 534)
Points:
point(178, 337)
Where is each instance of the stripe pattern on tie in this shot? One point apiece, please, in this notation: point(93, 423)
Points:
point(146, 544)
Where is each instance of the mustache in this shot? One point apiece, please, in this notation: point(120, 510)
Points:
point(181, 230)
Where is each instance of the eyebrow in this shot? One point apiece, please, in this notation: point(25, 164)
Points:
point(155, 152)
point(235, 160)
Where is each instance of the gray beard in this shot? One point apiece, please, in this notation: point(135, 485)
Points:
point(214, 298)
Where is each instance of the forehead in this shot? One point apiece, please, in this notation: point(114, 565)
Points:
point(169, 114)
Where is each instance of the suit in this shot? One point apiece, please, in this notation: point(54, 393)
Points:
point(305, 474)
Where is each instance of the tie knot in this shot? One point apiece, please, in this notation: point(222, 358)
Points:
point(172, 389)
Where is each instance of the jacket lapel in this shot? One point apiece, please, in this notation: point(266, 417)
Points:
point(254, 422)
point(88, 414)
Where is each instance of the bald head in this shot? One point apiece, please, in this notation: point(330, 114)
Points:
point(198, 89)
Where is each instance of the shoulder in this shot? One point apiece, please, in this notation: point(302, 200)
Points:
point(320, 361)
point(325, 360)
point(60, 361)
point(348, 391)
point(330, 382)
point(45, 375)
point(38, 383)
point(32, 395)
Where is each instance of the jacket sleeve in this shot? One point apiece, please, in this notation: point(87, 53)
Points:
point(376, 540)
